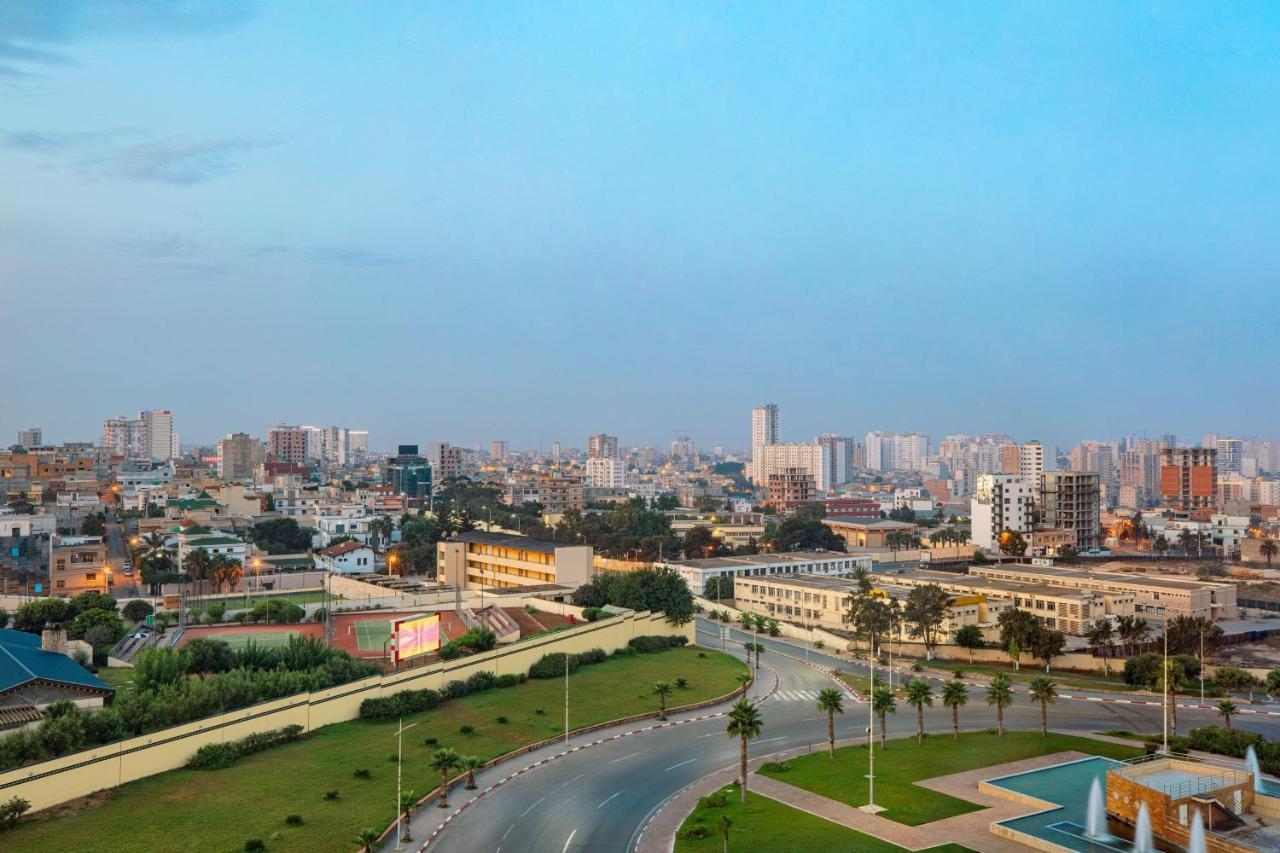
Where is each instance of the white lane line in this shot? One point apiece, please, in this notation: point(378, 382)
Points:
point(708, 734)
point(575, 778)
point(569, 841)
point(624, 758)
point(525, 813)
point(767, 740)
point(508, 832)
point(607, 801)
point(681, 764)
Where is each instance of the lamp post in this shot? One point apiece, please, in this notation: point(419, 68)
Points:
point(566, 698)
point(403, 834)
point(1164, 705)
point(871, 737)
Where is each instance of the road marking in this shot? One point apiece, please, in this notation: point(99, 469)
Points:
point(607, 801)
point(681, 764)
point(525, 813)
point(770, 740)
point(624, 758)
point(576, 778)
point(708, 734)
point(508, 832)
point(569, 841)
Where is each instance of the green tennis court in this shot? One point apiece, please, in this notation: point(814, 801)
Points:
point(371, 634)
point(268, 639)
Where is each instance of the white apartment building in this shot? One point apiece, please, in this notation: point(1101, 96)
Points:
point(830, 563)
point(840, 457)
point(1000, 502)
point(765, 430)
point(1031, 461)
point(330, 527)
point(604, 473)
point(602, 446)
point(813, 459)
point(897, 451)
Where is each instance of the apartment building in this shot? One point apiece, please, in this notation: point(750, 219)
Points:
point(602, 446)
point(239, 455)
point(1189, 478)
point(31, 437)
point(1000, 502)
point(478, 559)
point(408, 474)
point(1072, 500)
point(1161, 596)
point(605, 472)
point(791, 487)
point(897, 451)
point(765, 430)
point(287, 444)
point(556, 494)
point(78, 564)
point(698, 572)
point(446, 460)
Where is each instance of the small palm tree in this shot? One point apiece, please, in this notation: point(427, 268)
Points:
point(1273, 682)
point(1000, 694)
point(408, 800)
point(745, 723)
point(724, 825)
point(663, 690)
point(955, 696)
point(1043, 690)
point(758, 648)
point(1268, 550)
point(1225, 709)
point(882, 703)
point(365, 840)
point(744, 619)
point(744, 679)
point(830, 702)
point(472, 763)
point(919, 694)
point(445, 761)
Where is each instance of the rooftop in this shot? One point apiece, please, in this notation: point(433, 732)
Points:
point(763, 559)
point(505, 540)
point(23, 662)
point(868, 523)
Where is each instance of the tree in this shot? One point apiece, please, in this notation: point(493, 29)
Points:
point(1185, 540)
point(94, 524)
point(970, 637)
point(408, 802)
point(1268, 551)
point(1273, 682)
point(1017, 624)
point(803, 532)
point(1172, 674)
point(758, 648)
point(1015, 654)
point(882, 703)
point(745, 723)
point(1043, 690)
point(724, 825)
point(444, 761)
point(656, 589)
point(198, 566)
point(83, 624)
point(1186, 632)
point(1047, 644)
point(281, 536)
point(699, 543)
point(873, 619)
point(226, 571)
point(955, 696)
point(662, 689)
point(830, 702)
point(1000, 696)
point(472, 763)
point(919, 694)
point(1069, 554)
point(1098, 634)
point(366, 839)
point(1225, 709)
point(924, 612)
point(204, 656)
point(137, 610)
point(1012, 543)
point(1160, 545)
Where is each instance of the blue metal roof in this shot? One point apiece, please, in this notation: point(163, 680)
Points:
point(23, 661)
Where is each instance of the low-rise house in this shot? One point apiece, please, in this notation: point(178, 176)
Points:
point(35, 672)
point(348, 558)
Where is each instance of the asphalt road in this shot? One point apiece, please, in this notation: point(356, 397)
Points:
point(598, 799)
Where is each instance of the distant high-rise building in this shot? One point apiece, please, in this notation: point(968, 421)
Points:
point(1031, 460)
point(161, 440)
point(498, 450)
point(148, 436)
point(239, 454)
point(555, 451)
point(408, 474)
point(446, 461)
point(1000, 502)
point(287, 444)
point(840, 460)
point(605, 473)
point(682, 448)
point(1209, 441)
point(1189, 478)
point(31, 437)
point(602, 446)
point(765, 430)
point(1230, 455)
point(897, 451)
point(790, 487)
point(358, 440)
point(1072, 500)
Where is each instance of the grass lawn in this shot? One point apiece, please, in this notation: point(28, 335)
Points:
point(764, 824)
point(119, 677)
point(1064, 679)
point(266, 639)
point(218, 810)
point(905, 762)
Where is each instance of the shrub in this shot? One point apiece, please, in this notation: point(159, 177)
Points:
point(657, 642)
point(393, 758)
point(549, 666)
point(624, 652)
point(361, 773)
point(213, 756)
point(702, 654)
point(539, 711)
point(682, 683)
point(467, 729)
point(216, 756)
point(718, 800)
point(776, 766)
point(431, 741)
point(480, 682)
point(11, 811)
point(294, 820)
point(254, 845)
point(508, 680)
point(502, 720)
point(592, 614)
point(455, 689)
point(917, 666)
point(331, 795)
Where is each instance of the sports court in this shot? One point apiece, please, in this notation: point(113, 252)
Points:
point(239, 636)
point(371, 634)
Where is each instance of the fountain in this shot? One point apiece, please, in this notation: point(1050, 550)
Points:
point(1197, 844)
point(1142, 840)
point(1251, 761)
point(1096, 818)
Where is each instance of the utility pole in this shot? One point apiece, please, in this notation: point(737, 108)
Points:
point(1164, 706)
point(403, 834)
point(871, 738)
point(566, 698)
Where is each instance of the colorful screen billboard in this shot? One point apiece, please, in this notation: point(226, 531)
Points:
point(417, 636)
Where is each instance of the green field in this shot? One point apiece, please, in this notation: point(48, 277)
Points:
point(372, 634)
point(219, 810)
point(764, 824)
point(905, 762)
point(119, 677)
point(1114, 683)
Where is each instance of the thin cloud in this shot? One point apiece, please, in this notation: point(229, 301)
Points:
point(22, 53)
point(43, 141)
point(167, 245)
point(344, 256)
point(178, 163)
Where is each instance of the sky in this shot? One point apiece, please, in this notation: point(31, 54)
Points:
point(538, 221)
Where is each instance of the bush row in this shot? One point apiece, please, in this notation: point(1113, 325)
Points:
point(657, 642)
point(552, 665)
point(475, 640)
point(413, 701)
point(216, 756)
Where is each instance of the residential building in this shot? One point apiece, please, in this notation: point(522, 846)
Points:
point(811, 458)
point(1189, 478)
point(287, 444)
point(125, 437)
point(790, 488)
point(160, 440)
point(348, 558)
point(78, 564)
point(894, 451)
point(602, 446)
point(479, 559)
point(239, 455)
point(1031, 460)
point(682, 448)
point(866, 532)
point(37, 671)
point(192, 536)
point(498, 450)
point(1072, 500)
point(408, 474)
point(838, 455)
point(556, 494)
point(765, 430)
point(606, 473)
point(1000, 502)
point(446, 461)
point(1230, 455)
point(830, 563)
point(330, 527)
point(31, 437)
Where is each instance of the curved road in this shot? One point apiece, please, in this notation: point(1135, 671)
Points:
point(599, 799)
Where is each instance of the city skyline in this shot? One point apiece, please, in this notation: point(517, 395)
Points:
point(1025, 220)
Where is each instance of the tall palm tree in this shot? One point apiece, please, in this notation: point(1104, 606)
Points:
point(1043, 690)
point(745, 723)
point(1169, 682)
point(919, 694)
point(882, 703)
point(662, 689)
point(472, 763)
point(408, 801)
point(1000, 695)
point(445, 761)
point(1186, 539)
point(1268, 550)
point(1225, 709)
point(226, 570)
point(197, 566)
point(955, 696)
point(831, 702)
point(1273, 682)
point(759, 650)
point(365, 840)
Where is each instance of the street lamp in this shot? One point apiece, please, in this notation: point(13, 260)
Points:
point(403, 834)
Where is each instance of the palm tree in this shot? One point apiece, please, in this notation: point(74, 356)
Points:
point(724, 825)
point(1268, 550)
point(408, 801)
point(1186, 539)
point(1098, 635)
point(472, 763)
point(744, 619)
point(955, 696)
point(831, 703)
point(1170, 680)
point(366, 839)
point(226, 570)
point(758, 648)
point(1273, 682)
point(1000, 694)
point(1160, 545)
point(663, 690)
point(1225, 709)
point(919, 694)
point(1043, 690)
point(197, 566)
point(743, 678)
point(1140, 630)
point(745, 723)
point(882, 703)
point(445, 761)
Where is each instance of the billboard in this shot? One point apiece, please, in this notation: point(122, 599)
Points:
point(419, 635)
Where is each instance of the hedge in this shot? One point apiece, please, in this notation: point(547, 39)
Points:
point(216, 756)
point(552, 665)
point(657, 642)
point(408, 702)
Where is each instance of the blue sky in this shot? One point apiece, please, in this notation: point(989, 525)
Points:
point(536, 221)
